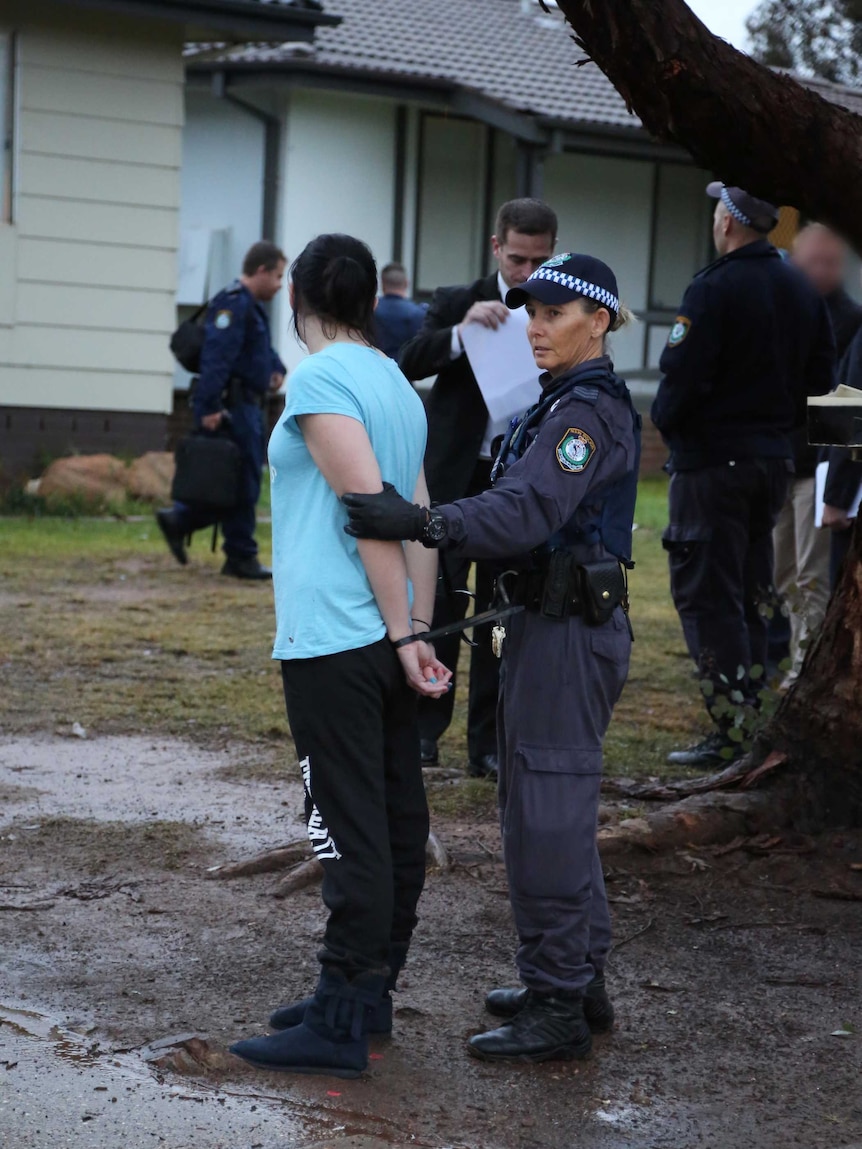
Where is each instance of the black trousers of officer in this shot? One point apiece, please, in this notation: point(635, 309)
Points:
point(435, 716)
point(719, 543)
point(353, 719)
point(560, 682)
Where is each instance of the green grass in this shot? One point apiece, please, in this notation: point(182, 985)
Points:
point(99, 625)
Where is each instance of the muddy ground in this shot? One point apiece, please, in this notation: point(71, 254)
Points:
point(731, 978)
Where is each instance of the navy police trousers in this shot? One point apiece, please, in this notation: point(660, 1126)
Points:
point(560, 681)
point(719, 544)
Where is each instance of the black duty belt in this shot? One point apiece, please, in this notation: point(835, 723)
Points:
point(530, 590)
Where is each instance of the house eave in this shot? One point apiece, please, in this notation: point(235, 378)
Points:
point(536, 131)
point(212, 19)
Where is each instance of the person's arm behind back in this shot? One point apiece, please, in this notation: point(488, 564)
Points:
point(343, 453)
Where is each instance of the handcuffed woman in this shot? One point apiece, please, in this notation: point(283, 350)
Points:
point(560, 514)
point(350, 417)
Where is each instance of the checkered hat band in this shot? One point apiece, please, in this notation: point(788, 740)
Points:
point(738, 215)
point(580, 286)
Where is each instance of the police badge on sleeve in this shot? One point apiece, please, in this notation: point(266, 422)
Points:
point(575, 450)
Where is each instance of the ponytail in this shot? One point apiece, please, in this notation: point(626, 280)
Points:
point(335, 279)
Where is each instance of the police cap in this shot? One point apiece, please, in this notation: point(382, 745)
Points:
point(749, 211)
point(566, 277)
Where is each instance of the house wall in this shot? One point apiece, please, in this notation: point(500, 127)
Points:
point(221, 202)
point(88, 264)
point(338, 174)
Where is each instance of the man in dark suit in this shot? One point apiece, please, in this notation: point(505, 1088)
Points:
point(458, 460)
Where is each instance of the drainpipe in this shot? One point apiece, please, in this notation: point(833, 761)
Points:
point(271, 151)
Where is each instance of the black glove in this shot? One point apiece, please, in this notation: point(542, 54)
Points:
point(384, 516)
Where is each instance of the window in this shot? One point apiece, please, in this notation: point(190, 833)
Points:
point(451, 223)
point(7, 122)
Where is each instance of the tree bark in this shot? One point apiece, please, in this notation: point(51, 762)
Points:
point(767, 133)
point(753, 127)
point(819, 724)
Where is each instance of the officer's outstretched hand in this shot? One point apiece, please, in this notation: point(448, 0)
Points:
point(384, 516)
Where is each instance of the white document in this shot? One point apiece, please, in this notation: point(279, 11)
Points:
point(504, 367)
point(820, 496)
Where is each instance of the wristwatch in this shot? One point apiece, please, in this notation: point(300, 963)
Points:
point(435, 530)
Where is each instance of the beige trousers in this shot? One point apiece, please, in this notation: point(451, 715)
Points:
point(801, 568)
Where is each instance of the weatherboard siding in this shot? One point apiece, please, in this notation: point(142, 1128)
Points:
point(89, 287)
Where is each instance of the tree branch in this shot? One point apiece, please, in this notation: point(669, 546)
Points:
point(753, 127)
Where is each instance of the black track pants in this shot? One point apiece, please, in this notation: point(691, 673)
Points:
point(353, 718)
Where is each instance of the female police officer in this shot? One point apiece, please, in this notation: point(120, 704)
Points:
point(563, 500)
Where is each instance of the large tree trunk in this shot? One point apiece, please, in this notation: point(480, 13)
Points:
point(752, 127)
point(767, 133)
point(819, 725)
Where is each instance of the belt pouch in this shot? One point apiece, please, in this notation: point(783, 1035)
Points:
point(603, 589)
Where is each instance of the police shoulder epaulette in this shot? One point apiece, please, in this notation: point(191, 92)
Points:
point(585, 393)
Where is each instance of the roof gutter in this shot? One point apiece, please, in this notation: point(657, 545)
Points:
point(240, 19)
point(437, 92)
point(543, 134)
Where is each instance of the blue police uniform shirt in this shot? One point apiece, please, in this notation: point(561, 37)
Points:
point(397, 319)
point(324, 603)
point(573, 479)
point(752, 341)
point(237, 343)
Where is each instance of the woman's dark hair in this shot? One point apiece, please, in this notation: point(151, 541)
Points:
point(335, 279)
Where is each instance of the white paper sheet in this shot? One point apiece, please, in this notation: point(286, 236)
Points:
point(820, 496)
point(504, 367)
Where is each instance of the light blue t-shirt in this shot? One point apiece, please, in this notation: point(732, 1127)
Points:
point(323, 599)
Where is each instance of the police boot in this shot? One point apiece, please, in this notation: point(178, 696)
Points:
point(379, 1020)
point(715, 750)
point(247, 568)
point(598, 1010)
point(549, 1027)
point(175, 535)
point(331, 1039)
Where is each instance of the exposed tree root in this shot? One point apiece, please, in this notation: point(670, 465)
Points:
point(268, 862)
point(303, 870)
point(306, 874)
point(742, 775)
point(700, 820)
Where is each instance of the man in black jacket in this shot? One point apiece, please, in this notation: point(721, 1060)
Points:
point(459, 458)
point(752, 340)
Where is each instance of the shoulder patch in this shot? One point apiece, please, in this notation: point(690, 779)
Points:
point(575, 450)
point(223, 320)
point(679, 331)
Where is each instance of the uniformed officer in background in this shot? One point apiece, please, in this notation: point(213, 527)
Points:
point(560, 515)
point(753, 339)
point(239, 368)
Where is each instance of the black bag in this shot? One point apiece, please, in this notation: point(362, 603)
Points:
point(187, 342)
point(208, 472)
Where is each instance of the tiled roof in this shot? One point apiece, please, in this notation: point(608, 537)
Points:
point(508, 51)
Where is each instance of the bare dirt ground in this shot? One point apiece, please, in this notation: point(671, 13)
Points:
point(730, 978)
point(737, 985)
